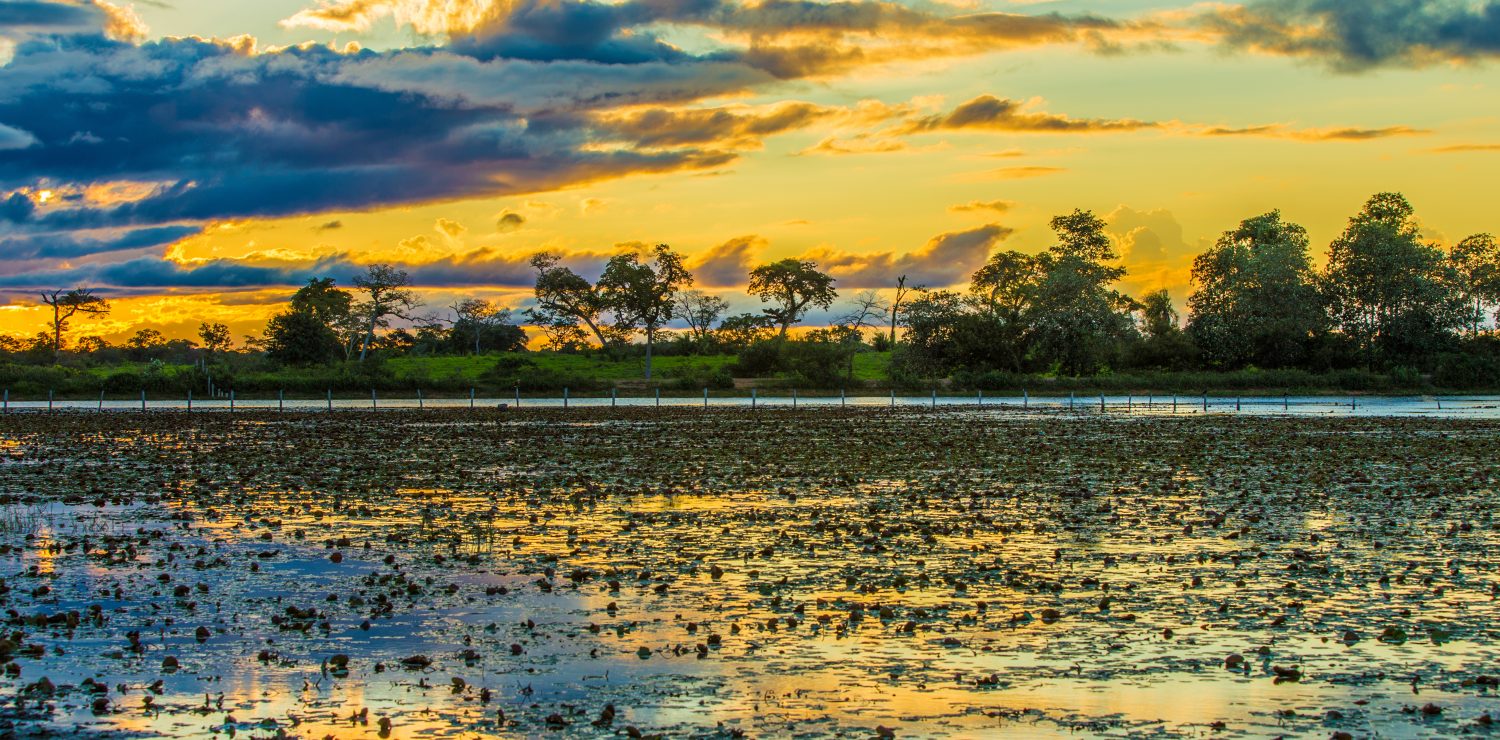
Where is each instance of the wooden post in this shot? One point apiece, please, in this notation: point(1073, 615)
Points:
point(934, 398)
point(565, 397)
point(1130, 403)
point(843, 401)
point(471, 396)
point(420, 406)
point(1070, 400)
point(101, 401)
point(705, 397)
point(49, 399)
point(658, 396)
point(280, 400)
point(518, 396)
point(611, 397)
point(231, 399)
point(1286, 402)
point(143, 400)
point(373, 403)
point(1025, 399)
point(1353, 404)
point(753, 397)
point(1205, 402)
point(1236, 403)
point(794, 398)
point(1101, 403)
point(1174, 403)
point(893, 397)
point(190, 400)
point(330, 399)
point(6, 402)
point(981, 398)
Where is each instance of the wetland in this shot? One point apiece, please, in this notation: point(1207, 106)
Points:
point(861, 572)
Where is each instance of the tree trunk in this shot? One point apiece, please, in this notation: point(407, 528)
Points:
point(364, 346)
point(56, 335)
point(650, 339)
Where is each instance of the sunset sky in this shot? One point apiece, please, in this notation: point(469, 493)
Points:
point(196, 160)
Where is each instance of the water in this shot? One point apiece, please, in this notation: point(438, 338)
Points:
point(1474, 406)
point(956, 574)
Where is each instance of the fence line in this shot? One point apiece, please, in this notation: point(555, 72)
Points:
point(793, 399)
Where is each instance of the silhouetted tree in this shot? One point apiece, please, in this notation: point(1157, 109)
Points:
point(701, 311)
point(565, 296)
point(643, 293)
point(66, 305)
point(1386, 290)
point(792, 286)
point(1255, 297)
point(1476, 269)
point(387, 293)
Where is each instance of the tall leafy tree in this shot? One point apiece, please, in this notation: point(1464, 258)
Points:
point(388, 293)
point(565, 297)
point(643, 292)
point(1475, 263)
point(1387, 290)
point(215, 337)
point(67, 304)
point(791, 286)
point(1255, 298)
point(299, 337)
point(1075, 317)
point(332, 306)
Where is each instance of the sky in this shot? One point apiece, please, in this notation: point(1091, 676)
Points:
point(196, 160)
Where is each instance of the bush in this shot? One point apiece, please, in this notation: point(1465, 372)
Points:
point(761, 359)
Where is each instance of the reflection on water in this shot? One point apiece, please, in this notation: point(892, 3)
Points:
point(476, 573)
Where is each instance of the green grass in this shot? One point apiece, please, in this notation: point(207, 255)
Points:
point(472, 367)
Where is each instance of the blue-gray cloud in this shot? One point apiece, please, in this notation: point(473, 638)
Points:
point(1359, 34)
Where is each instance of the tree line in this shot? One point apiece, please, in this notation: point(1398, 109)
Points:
point(1386, 300)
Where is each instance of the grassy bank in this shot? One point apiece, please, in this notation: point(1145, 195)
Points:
point(544, 373)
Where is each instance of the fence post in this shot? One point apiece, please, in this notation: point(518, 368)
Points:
point(1353, 403)
point(794, 398)
point(373, 403)
point(893, 397)
point(6, 401)
point(330, 399)
point(934, 398)
point(420, 405)
point(1205, 402)
point(753, 397)
point(471, 396)
point(231, 399)
point(843, 401)
point(518, 396)
point(611, 397)
point(1070, 400)
point(280, 400)
point(1025, 399)
point(49, 399)
point(143, 400)
point(981, 398)
point(1130, 402)
point(1286, 402)
point(658, 396)
point(1174, 403)
point(565, 397)
point(705, 397)
point(1236, 403)
point(190, 400)
point(1101, 403)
